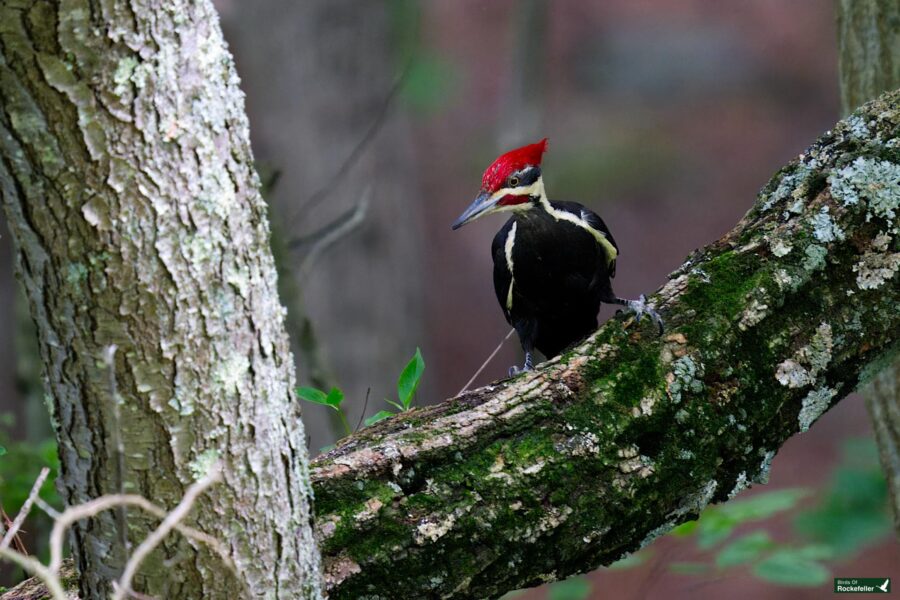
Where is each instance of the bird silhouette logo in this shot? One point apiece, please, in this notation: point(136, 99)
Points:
point(884, 586)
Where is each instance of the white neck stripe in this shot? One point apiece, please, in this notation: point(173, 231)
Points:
point(608, 248)
point(508, 249)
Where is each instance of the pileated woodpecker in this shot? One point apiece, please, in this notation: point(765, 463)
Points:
point(552, 260)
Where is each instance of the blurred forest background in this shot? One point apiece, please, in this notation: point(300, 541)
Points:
point(372, 123)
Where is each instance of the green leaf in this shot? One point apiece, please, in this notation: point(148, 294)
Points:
point(334, 398)
point(717, 523)
point(576, 588)
point(688, 568)
point(685, 529)
point(2, 450)
point(311, 394)
point(409, 379)
point(763, 506)
point(381, 415)
point(853, 513)
point(789, 567)
point(714, 527)
point(394, 404)
point(816, 552)
point(744, 549)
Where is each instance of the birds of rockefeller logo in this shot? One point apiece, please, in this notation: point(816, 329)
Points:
point(862, 585)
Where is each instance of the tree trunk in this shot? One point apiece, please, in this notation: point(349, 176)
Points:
point(868, 49)
point(869, 45)
point(128, 183)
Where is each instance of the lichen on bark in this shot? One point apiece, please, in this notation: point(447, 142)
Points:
point(607, 447)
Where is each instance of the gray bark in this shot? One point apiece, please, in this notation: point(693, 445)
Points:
point(128, 184)
point(869, 45)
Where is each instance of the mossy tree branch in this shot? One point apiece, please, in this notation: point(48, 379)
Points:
point(600, 451)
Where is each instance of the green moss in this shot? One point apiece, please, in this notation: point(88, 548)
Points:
point(640, 371)
point(392, 532)
point(350, 496)
point(717, 294)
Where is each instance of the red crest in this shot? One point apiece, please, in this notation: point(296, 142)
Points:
point(512, 161)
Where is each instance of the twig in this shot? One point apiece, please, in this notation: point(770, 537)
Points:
point(51, 512)
point(342, 226)
point(26, 508)
point(362, 415)
point(17, 540)
point(89, 509)
point(171, 522)
point(321, 194)
point(487, 361)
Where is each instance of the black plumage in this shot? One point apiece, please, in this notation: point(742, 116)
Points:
point(553, 261)
point(560, 273)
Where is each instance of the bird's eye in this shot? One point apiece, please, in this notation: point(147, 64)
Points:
point(513, 181)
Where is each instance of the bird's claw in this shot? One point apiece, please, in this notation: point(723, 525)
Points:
point(528, 366)
point(640, 308)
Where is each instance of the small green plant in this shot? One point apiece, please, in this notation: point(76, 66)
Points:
point(407, 384)
point(332, 399)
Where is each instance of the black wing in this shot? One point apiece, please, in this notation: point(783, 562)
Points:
point(594, 220)
point(502, 276)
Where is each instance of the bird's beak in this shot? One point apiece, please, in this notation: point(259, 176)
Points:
point(483, 203)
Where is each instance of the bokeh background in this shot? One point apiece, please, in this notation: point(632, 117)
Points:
point(372, 122)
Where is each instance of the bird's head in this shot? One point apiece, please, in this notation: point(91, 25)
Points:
point(512, 182)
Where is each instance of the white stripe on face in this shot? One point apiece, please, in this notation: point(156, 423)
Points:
point(536, 189)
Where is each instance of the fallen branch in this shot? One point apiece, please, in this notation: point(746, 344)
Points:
point(602, 450)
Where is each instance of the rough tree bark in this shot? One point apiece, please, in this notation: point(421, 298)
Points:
point(128, 184)
point(602, 450)
point(869, 43)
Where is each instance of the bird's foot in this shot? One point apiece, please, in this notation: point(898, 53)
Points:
point(640, 308)
point(529, 366)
